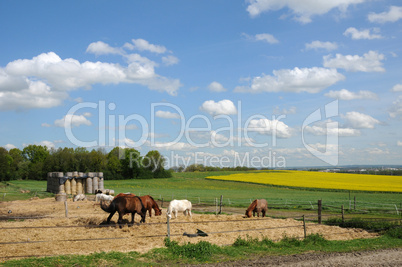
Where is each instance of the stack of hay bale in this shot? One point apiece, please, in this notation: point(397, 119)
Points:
point(74, 183)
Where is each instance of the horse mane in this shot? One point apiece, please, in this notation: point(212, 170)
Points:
point(252, 205)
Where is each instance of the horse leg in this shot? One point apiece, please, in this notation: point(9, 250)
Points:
point(110, 216)
point(175, 214)
point(120, 221)
point(132, 217)
point(263, 213)
point(189, 212)
point(143, 217)
point(150, 212)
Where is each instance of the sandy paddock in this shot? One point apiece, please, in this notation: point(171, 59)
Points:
point(54, 234)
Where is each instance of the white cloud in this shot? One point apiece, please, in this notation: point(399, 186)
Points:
point(329, 46)
point(170, 60)
point(395, 111)
point(284, 111)
point(223, 107)
point(397, 88)
point(48, 144)
point(167, 115)
point(302, 10)
point(101, 48)
point(327, 128)
point(9, 146)
point(369, 62)
point(144, 45)
point(71, 120)
point(270, 127)
point(44, 80)
point(359, 120)
point(174, 146)
point(348, 95)
point(355, 34)
point(266, 37)
point(394, 14)
point(216, 87)
point(310, 80)
point(46, 125)
point(399, 143)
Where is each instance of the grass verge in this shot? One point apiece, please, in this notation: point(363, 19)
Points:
point(204, 252)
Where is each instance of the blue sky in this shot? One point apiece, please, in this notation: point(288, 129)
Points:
point(264, 83)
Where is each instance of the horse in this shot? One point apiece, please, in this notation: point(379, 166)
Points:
point(99, 197)
point(258, 205)
point(149, 204)
point(79, 197)
point(179, 205)
point(123, 205)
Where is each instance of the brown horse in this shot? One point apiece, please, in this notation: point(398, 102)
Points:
point(258, 205)
point(124, 204)
point(149, 204)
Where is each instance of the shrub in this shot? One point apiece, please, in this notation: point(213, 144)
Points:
point(201, 251)
point(395, 232)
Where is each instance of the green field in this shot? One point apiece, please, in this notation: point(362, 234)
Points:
point(196, 188)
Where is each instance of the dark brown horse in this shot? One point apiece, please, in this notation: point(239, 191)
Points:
point(258, 205)
point(124, 204)
point(149, 204)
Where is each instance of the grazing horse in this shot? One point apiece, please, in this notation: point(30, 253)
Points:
point(258, 205)
point(99, 197)
point(179, 205)
point(149, 204)
point(123, 205)
point(79, 197)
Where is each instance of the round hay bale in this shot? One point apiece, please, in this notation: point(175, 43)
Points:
point(60, 175)
point(67, 186)
point(91, 174)
point(95, 183)
point(79, 186)
point(61, 197)
point(80, 174)
point(61, 189)
point(101, 184)
point(100, 174)
point(111, 192)
point(75, 174)
point(69, 174)
point(73, 186)
point(89, 186)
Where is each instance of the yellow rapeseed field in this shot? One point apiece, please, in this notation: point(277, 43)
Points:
point(345, 181)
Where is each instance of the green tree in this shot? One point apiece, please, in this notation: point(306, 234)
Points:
point(5, 164)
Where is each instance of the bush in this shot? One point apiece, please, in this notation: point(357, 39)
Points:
point(371, 225)
point(395, 232)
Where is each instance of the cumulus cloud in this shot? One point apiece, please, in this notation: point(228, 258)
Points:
point(167, 114)
point(216, 87)
point(326, 128)
point(302, 10)
point(71, 120)
point(369, 62)
point(223, 107)
point(9, 146)
point(397, 88)
point(170, 60)
point(144, 45)
point(270, 127)
point(101, 48)
point(355, 34)
point(329, 46)
point(266, 37)
point(359, 120)
point(310, 80)
point(348, 95)
point(394, 14)
point(45, 80)
point(395, 111)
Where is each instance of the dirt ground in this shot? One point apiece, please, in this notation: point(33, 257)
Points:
point(45, 229)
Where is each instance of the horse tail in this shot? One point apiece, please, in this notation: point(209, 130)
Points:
point(111, 208)
point(143, 209)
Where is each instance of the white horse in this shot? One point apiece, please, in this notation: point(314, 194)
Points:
point(99, 197)
point(79, 197)
point(179, 205)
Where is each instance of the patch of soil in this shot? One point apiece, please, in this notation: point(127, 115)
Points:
point(54, 234)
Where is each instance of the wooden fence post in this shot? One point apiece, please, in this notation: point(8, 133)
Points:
point(66, 206)
point(168, 227)
point(304, 226)
point(319, 211)
point(343, 215)
point(220, 205)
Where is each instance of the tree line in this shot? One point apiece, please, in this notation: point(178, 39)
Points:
point(35, 161)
